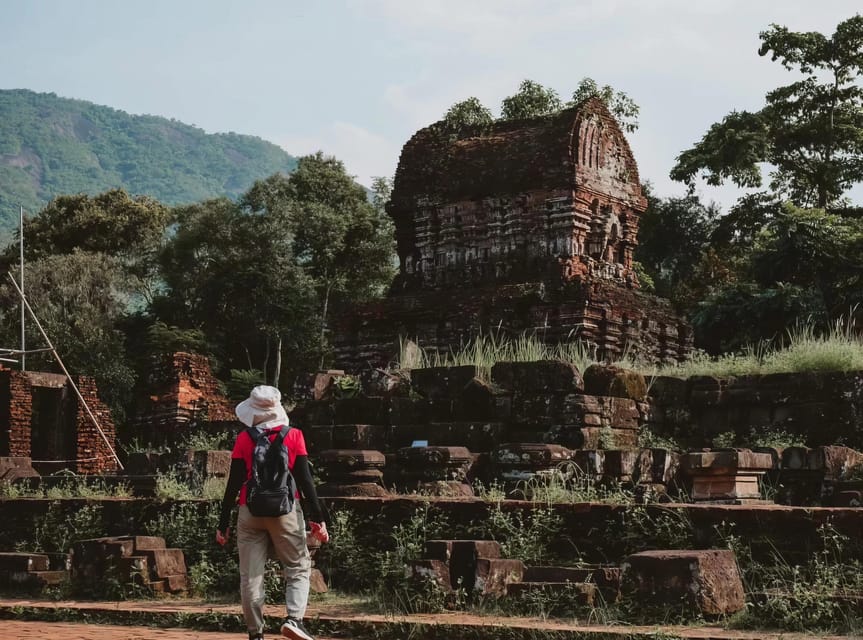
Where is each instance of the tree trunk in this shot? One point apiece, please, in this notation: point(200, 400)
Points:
point(831, 138)
point(278, 372)
point(266, 358)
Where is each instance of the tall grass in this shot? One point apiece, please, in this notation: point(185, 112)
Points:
point(804, 349)
point(485, 350)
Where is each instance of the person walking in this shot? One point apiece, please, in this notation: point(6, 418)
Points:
point(269, 429)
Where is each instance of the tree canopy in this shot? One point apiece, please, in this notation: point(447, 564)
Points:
point(261, 276)
point(533, 99)
point(810, 131)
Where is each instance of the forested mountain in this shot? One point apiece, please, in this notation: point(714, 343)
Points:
point(51, 146)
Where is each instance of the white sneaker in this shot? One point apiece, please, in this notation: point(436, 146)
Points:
point(294, 629)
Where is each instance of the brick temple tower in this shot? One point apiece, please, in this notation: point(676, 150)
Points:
point(522, 225)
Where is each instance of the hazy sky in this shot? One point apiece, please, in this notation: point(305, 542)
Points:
point(356, 78)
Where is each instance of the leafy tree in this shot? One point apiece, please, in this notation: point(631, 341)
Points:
point(737, 230)
point(382, 189)
point(674, 234)
point(800, 264)
point(260, 277)
point(231, 274)
point(342, 242)
point(619, 103)
point(531, 100)
point(811, 131)
point(111, 223)
point(467, 113)
point(79, 298)
point(744, 313)
point(815, 250)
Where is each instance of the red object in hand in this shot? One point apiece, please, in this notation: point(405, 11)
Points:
point(319, 531)
point(221, 538)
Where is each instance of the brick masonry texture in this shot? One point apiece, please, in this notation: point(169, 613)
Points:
point(15, 409)
point(179, 392)
point(90, 454)
point(527, 225)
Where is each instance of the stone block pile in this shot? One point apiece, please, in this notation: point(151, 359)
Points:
point(708, 581)
point(352, 472)
point(141, 560)
point(32, 571)
point(473, 565)
point(521, 423)
point(730, 475)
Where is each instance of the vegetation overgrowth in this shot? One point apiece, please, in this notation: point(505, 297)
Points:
point(804, 348)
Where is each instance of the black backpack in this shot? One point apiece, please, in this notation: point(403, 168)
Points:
point(270, 490)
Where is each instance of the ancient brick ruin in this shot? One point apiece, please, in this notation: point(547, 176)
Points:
point(178, 394)
point(527, 225)
point(42, 419)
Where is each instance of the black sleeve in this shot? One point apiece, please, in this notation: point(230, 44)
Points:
point(236, 477)
point(303, 477)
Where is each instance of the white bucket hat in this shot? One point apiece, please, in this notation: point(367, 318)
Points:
point(263, 405)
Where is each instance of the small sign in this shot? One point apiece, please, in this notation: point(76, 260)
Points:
point(420, 443)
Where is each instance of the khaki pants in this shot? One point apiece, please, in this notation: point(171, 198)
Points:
point(286, 535)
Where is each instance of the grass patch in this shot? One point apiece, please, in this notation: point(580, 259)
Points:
point(803, 349)
point(485, 350)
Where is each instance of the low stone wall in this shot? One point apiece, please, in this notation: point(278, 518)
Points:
point(589, 532)
point(819, 408)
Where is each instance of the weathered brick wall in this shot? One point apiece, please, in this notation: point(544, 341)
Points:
point(523, 226)
point(93, 454)
point(533, 402)
point(180, 390)
point(821, 408)
point(553, 196)
point(15, 410)
point(613, 319)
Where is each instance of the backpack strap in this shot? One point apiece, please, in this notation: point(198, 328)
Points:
point(283, 433)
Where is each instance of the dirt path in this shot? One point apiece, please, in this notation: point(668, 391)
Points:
point(13, 630)
point(336, 616)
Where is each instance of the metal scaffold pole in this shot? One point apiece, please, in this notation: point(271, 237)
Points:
point(21, 280)
point(65, 371)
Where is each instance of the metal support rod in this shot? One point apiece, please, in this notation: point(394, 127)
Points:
point(21, 275)
point(65, 371)
point(16, 352)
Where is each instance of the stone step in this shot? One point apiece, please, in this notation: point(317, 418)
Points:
point(145, 543)
point(606, 579)
point(348, 459)
point(434, 456)
point(708, 580)
point(529, 455)
point(165, 562)
point(23, 562)
point(352, 490)
point(578, 593)
point(359, 436)
point(572, 574)
point(169, 584)
point(442, 382)
point(474, 435)
point(33, 578)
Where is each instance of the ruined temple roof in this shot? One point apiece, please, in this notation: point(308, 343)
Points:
point(582, 146)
